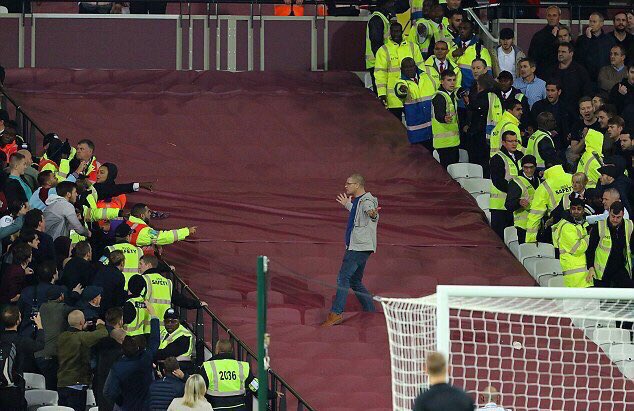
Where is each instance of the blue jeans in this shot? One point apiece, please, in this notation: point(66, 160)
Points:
point(350, 276)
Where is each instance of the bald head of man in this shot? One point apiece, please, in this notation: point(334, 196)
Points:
point(76, 319)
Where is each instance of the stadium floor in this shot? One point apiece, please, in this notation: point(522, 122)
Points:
point(255, 160)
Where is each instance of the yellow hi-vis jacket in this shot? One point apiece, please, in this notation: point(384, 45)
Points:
point(557, 183)
point(592, 158)
point(158, 292)
point(520, 216)
point(423, 42)
point(141, 323)
point(572, 240)
point(432, 70)
point(532, 148)
point(144, 235)
point(605, 246)
point(387, 70)
point(181, 331)
point(511, 170)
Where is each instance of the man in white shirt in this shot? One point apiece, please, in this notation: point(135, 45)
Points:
point(507, 55)
point(609, 196)
point(490, 397)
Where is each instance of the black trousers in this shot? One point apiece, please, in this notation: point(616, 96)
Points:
point(449, 155)
point(500, 219)
point(371, 70)
point(398, 112)
point(615, 279)
point(521, 235)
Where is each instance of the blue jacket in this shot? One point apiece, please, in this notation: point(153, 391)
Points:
point(162, 392)
point(128, 383)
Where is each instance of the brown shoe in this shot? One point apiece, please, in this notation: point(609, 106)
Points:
point(333, 319)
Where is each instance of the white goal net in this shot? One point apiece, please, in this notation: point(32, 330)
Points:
point(540, 348)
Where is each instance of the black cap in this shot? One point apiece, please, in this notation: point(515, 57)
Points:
point(91, 292)
point(609, 170)
point(136, 285)
point(170, 314)
point(506, 34)
point(54, 292)
point(529, 159)
point(122, 230)
point(505, 75)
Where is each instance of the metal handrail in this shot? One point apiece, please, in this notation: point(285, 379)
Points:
point(244, 353)
point(27, 128)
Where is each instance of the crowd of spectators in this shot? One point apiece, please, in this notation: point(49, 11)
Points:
point(530, 119)
point(85, 297)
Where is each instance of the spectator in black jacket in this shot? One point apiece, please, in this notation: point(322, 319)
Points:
point(622, 94)
point(79, 269)
point(34, 219)
point(12, 398)
point(622, 37)
point(171, 386)
point(375, 30)
point(129, 380)
point(564, 115)
point(111, 279)
point(612, 177)
point(107, 352)
point(476, 143)
point(594, 45)
point(543, 47)
point(509, 92)
point(573, 77)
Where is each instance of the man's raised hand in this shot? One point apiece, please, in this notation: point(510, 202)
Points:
point(344, 199)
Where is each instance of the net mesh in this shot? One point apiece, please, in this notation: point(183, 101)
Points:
point(538, 353)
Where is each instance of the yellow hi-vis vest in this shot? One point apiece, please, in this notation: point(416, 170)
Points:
point(532, 148)
point(520, 216)
point(557, 183)
point(494, 115)
point(572, 241)
point(158, 292)
point(132, 256)
point(387, 69)
point(507, 122)
point(446, 134)
point(369, 56)
point(167, 339)
point(422, 43)
point(498, 197)
point(605, 246)
point(435, 75)
point(141, 323)
point(226, 377)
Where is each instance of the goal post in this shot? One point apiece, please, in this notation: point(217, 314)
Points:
point(540, 348)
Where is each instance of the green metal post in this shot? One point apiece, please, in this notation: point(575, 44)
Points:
point(263, 389)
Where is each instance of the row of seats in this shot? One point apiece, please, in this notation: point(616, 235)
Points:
point(40, 399)
point(470, 177)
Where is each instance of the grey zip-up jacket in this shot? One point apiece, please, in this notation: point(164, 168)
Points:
point(60, 218)
point(363, 237)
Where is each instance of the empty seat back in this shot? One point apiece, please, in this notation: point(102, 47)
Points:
point(465, 170)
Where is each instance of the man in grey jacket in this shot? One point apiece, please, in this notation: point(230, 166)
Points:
point(59, 215)
point(360, 243)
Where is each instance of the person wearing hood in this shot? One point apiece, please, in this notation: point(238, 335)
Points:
point(521, 191)
point(60, 216)
point(557, 183)
point(107, 189)
point(415, 89)
point(612, 177)
point(571, 237)
point(592, 158)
